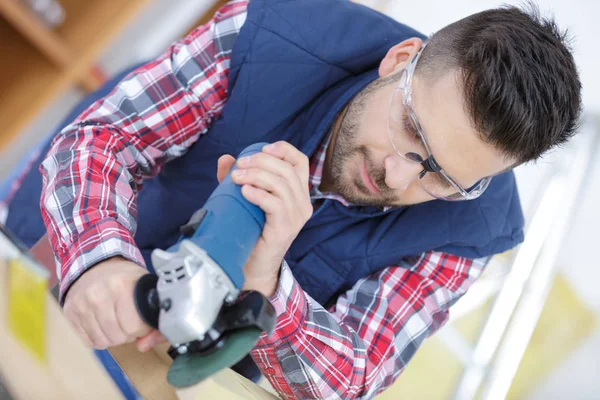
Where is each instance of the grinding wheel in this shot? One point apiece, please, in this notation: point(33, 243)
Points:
point(189, 369)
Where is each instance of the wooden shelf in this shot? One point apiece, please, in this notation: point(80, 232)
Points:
point(27, 80)
point(210, 13)
point(90, 25)
point(38, 64)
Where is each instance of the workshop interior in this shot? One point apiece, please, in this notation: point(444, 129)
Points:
point(527, 329)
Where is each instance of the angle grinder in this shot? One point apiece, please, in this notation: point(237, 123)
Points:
point(194, 298)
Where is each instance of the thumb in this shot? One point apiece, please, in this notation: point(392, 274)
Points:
point(150, 340)
point(224, 166)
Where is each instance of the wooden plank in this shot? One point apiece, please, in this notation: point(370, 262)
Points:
point(71, 370)
point(28, 80)
point(148, 371)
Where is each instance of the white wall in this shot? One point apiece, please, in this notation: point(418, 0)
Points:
point(580, 16)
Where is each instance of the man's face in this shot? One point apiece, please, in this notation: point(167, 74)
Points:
point(363, 166)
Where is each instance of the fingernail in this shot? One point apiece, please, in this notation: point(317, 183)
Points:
point(238, 173)
point(244, 161)
point(269, 147)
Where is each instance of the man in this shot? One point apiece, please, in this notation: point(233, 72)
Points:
point(385, 186)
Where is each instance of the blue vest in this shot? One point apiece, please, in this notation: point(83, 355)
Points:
point(294, 66)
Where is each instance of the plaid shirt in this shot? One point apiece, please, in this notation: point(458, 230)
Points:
point(97, 164)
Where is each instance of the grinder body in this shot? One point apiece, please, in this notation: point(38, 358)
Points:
point(193, 298)
point(229, 227)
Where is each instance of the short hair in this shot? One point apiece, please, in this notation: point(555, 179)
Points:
point(521, 87)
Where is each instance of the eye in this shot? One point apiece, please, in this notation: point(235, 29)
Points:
point(409, 128)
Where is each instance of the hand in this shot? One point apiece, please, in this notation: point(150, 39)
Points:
point(276, 180)
point(100, 306)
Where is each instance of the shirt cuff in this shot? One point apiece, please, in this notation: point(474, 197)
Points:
point(290, 304)
point(108, 238)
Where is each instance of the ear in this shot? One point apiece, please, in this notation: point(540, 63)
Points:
point(397, 57)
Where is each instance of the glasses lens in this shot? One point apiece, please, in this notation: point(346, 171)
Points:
point(405, 135)
point(437, 186)
point(403, 129)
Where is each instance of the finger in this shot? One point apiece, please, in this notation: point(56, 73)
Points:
point(128, 318)
point(107, 320)
point(82, 333)
point(94, 332)
point(266, 180)
point(145, 343)
point(81, 308)
point(224, 165)
point(278, 167)
point(288, 153)
point(268, 202)
point(70, 312)
point(103, 318)
point(84, 336)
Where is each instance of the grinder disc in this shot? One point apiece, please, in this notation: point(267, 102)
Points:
point(189, 369)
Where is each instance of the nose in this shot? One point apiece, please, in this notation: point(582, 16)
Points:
point(400, 173)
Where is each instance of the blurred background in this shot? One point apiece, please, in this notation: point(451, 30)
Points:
point(527, 330)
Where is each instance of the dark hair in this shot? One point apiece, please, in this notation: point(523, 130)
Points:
point(521, 85)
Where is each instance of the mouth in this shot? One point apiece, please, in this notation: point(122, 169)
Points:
point(368, 182)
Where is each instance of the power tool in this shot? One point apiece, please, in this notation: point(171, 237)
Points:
point(194, 298)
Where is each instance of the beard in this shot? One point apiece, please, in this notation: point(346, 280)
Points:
point(346, 152)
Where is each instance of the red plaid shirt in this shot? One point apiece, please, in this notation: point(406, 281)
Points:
point(97, 164)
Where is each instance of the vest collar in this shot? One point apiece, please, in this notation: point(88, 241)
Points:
point(330, 104)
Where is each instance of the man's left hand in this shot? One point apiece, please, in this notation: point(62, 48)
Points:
point(276, 180)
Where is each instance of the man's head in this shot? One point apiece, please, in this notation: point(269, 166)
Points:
point(491, 91)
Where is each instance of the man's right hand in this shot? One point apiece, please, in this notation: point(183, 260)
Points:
point(100, 306)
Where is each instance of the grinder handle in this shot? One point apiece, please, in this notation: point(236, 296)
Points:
point(231, 226)
point(228, 232)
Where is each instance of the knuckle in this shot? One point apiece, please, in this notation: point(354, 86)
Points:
point(128, 322)
point(96, 296)
point(304, 160)
point(116, 285)
point(260, 158)
point(76, 302)
point(69, 307)
point(256, 175)
point(288, 170)
point(282, 181)
point(80, 308)
point(280, 206)
point(71, 314)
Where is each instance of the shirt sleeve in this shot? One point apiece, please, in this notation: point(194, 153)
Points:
point(97, 164)
point(360, 346)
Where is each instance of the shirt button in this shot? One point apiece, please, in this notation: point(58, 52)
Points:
point(270, 371)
